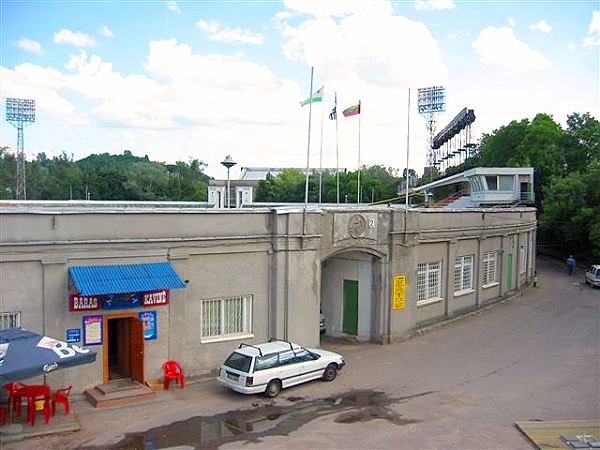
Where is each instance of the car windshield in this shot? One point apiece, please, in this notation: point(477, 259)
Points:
point(239, 362)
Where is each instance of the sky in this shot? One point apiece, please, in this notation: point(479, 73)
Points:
point(182, 80)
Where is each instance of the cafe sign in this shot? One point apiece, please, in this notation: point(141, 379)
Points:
point(84, 303)
point(118, 301)
point(156, 298)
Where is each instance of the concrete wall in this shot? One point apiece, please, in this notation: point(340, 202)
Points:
point(285, 258)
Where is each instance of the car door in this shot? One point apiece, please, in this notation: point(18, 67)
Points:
point(289, 371)
point(308, 366)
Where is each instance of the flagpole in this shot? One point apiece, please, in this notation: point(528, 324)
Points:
point(337, 154)
point(308, 144)
point(358, 178)
point(407, 152)
point(321, 150)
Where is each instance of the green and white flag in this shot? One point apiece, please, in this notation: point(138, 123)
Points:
point(316, 97)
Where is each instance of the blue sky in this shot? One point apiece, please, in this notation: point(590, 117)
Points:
point(181, 80)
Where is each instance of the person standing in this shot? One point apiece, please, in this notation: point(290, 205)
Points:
point(571, 264)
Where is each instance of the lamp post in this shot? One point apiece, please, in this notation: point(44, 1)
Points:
point(229, 163)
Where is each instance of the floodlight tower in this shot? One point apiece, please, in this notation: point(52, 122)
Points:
point(20, 113)
point(431, 101)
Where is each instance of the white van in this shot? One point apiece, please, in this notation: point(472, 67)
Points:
point(267, 368)
point(592, 276)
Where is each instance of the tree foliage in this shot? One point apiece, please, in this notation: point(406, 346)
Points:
point(376, 183)
point(104, 177)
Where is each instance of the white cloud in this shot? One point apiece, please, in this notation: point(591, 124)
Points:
point(173, 7)
point(498, 46)
point(222, 33)
point(30, 46)
point(76, 38)
point(210, 27)
point(42, 84)
point(434, 4)
point(337, 8)
point(542, 26)
point(106, 32)
point(593, 36)
point(363, 48)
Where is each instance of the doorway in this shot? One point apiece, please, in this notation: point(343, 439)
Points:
point(123, 348)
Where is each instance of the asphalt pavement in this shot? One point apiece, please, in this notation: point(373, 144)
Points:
point(534, 357)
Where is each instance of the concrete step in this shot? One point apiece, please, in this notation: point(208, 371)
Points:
point(103, 396)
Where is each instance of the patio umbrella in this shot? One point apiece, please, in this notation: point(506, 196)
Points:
point(24, 354)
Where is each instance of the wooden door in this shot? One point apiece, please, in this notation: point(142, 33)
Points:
point(350, 320)
point(136, 349)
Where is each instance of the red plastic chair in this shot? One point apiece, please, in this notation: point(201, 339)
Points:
point(34, 395)
point(2, 415)
point(173, 371)
point(61, 396)
point(16, 392)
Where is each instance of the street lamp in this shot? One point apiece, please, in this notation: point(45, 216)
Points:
point(229, 163)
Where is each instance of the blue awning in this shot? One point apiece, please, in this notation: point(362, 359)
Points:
point(124, 278)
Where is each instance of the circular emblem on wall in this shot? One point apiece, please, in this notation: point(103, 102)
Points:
point(357, 225)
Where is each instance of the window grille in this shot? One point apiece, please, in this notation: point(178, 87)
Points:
point(489, 268)
point(429, 287)
point(10, 320)
point(226, 317)
point(463, 273)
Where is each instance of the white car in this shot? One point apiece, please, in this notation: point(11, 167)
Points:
point(592, 275)
point(267, 368)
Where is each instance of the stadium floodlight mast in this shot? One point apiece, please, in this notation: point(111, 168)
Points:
point(430, 102)
point(20, 112)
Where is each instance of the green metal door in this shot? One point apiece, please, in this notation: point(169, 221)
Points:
point(350, 322)
point(509, 273)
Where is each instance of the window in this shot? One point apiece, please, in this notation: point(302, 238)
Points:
point(463, 274)
point(523, 257)
point(10, 320)
point(239, 362)
point(489, 268)
point(226, 317)
point(429, 286)
point(507, 182)
point(267, 362)
point(492, 182)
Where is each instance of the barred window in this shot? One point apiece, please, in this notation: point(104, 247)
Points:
point(489, 268)
point(429, 282)
point(226, 317)
point(10, 320)
point(523, 257)
point(463, 273)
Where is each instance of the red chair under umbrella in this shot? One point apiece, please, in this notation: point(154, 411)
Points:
point(61, 396)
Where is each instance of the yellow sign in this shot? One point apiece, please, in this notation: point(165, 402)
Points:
point(399, 292)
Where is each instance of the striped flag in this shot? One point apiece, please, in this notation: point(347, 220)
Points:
point(352, 110)
point(316, 97)
point(333, 113)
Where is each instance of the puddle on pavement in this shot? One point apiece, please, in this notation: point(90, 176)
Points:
point(267, 419)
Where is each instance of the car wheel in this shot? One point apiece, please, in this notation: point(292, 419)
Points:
point(330, 372)
point(273, 388)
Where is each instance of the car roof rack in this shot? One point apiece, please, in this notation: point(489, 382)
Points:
point(282, 340)
point(243, 344)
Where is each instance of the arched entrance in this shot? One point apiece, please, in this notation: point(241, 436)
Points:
point(350, 295)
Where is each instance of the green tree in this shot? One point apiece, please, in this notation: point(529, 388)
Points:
point(571, 210)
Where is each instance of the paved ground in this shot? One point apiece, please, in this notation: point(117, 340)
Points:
point(461, 386)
